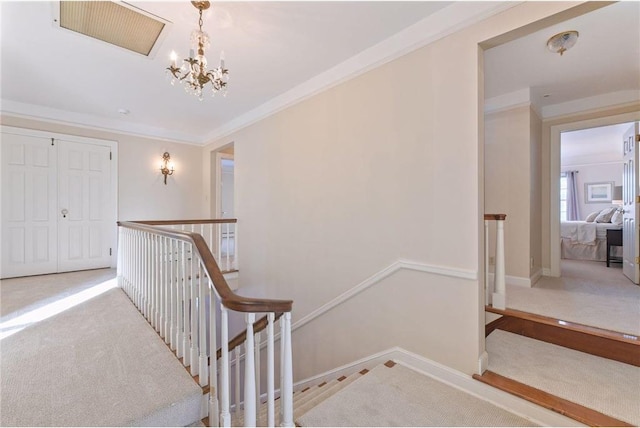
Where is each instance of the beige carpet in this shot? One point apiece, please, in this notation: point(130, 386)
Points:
point(586, 293)
point(97, 363)
point(604, 385)
point(399, 396)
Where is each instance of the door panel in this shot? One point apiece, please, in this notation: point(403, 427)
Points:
point(84, 177)
point(630, 190)
point(29, 230)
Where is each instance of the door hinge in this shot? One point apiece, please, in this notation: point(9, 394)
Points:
point(637, 138)
point(637, 199)
point(109, 251)
point(52, 141)
point(638, 260)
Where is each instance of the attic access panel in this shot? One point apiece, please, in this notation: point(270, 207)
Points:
point(119, 24)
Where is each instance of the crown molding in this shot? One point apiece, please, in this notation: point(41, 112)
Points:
point(591, 103)
point(508, 101)
point(88, 121)
point(446, 21)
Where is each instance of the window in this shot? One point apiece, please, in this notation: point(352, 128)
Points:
point(563, 196)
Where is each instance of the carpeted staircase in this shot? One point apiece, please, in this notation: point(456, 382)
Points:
point(391, 394)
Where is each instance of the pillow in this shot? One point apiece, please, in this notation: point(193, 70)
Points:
point(617, 217)
point(605, 215)
point(592, 217)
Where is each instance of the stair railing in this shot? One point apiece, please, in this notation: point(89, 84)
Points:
point(174, 280)
point(219, 234)
point(496, 293)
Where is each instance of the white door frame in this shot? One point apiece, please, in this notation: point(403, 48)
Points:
point(554, 176)
point(113, 194)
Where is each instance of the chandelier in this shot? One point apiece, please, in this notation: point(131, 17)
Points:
point(193, 71)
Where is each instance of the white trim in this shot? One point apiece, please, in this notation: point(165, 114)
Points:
point(379, 276)
point(554, 175)
point(88, 121)
point(446, 21)
point(590, 103)
point(520, 281)
point(483, 362)
point(546, 272)
point(508, 101)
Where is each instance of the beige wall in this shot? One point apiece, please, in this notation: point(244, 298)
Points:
point(547, 124)
point(508, 183)
point(535, 225)
point(383, 167)
point(141, 192)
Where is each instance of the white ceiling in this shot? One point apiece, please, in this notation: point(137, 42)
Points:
point(274, 49)
point(603, 144)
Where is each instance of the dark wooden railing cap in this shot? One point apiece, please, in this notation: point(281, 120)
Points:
point(229, 299)
point(495, 216)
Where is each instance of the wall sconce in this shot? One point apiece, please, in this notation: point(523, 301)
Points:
point(166, 167)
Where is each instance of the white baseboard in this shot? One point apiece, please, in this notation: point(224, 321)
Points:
point(523, 408)
point(519, 281)
point(546, 272)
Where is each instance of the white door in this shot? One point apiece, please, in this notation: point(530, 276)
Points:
point(85, 222)
point(225, 196)
point(29, 210)
point(630, 191)
point(58, 204)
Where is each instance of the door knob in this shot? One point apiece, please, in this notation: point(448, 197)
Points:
point(64, 212)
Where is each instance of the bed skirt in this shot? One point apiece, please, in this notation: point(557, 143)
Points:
point(597, 252)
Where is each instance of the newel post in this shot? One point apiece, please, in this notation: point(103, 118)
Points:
point(499, 295)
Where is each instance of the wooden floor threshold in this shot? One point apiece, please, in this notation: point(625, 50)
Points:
point(567, 408)
point(613, 345)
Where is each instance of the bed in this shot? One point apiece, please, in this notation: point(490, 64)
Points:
point(581, 240)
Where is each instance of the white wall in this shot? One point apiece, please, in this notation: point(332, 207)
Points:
point(141, 192)
point(385, 166)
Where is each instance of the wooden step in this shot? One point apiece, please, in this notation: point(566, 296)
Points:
point(613, 345)
point(560, 405)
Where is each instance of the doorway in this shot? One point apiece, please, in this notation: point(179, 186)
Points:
point(59, 204)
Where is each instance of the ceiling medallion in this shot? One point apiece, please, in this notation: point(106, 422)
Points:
point(562, 42)
point(193, 71)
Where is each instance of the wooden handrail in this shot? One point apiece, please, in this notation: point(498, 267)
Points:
point(495, 216)
point(228, 298)
point(258, 326)
point(172, 222)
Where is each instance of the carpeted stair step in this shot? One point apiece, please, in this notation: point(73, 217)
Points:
point(100, 368)
point(585, 387)
point(303, 408)
point(394, 395)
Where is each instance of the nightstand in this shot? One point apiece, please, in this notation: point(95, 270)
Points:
point(614, 239)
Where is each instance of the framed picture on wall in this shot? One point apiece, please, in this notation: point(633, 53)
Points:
point(598, 193)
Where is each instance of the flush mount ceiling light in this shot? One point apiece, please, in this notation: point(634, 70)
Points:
point(193, 71)
point(562, 42)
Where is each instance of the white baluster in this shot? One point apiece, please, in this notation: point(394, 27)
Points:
point(225, 416)
point(270, 372)
point(186, 299)
point(179, 301)
point(249, 375)
point(173, 302)
point(237, 352)
point(286, 394)
point(487, 286)
point(161, 286)
point(194, 312)
point(499, 296)
point(235, 246)
point(282, 345)
point(213, 366)
point(257, 363)
point(202, 312)
point(156, 283)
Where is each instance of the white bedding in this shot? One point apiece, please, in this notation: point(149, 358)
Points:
point(586, 241)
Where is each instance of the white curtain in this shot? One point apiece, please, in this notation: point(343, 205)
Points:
point(573, 209)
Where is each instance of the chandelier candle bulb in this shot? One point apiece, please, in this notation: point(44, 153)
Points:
point(174, 59)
